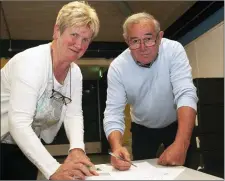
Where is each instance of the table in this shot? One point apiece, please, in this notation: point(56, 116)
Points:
point(187, 174)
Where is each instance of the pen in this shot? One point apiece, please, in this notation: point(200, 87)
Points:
point(120, 158)
point(93, 168)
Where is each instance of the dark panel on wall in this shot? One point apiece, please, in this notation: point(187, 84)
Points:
point(210, 92)
point(210, 86)
point(95, 49)
point(90, 111)
point(208, 142)
point(103, 95)
point(199, 12)
point(210, 119)
point(208, 137)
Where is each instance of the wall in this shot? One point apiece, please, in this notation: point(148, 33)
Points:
point(203, 27)
point(3, 62)
point(205, 48)
point(206, 53)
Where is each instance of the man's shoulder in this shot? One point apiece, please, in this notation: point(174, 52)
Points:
point(122, 58)
point(168, 43)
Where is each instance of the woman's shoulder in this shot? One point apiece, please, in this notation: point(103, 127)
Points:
point(35, 56)
point(76, 72)
point(32, 63)
point(35, 53)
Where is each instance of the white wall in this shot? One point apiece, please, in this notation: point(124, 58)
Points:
point(206, 53)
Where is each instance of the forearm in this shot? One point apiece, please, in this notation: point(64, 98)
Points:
point(23, 103)
point(34, 150)
point(186, 121)
point(73, 121)
point(75, 132)
point(115, 140)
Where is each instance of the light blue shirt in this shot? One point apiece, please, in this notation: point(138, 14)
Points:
point(154, 93)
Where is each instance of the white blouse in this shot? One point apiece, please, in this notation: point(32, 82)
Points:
point(28, 113)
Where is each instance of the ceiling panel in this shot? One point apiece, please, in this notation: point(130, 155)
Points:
point(165, 11)
point(34, 20)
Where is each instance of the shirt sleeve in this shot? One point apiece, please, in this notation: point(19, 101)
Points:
point(26, 81)
point(73, 121)
point(181, 78)
point(115, 103)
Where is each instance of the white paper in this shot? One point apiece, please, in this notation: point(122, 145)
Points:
point(143, 171)
point(104, 174)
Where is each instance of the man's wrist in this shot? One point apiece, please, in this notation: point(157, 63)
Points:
point(183, 141)
point(116, 147)
point(115, 140)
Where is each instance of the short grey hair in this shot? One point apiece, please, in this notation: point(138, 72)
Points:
point(78, 13)
point(136, 18)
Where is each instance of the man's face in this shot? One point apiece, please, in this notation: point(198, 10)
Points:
point(144, 41)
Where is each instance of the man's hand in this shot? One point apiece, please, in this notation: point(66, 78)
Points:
point(175, 154)
point(120, 164)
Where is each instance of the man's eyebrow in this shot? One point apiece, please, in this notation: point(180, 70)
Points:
point(148, 34)
point(133, 38)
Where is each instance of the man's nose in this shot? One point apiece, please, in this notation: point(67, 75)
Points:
point(142, 45)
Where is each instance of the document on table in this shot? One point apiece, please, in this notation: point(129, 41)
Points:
point(143, 171)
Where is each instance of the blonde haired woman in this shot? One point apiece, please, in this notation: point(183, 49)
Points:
point(41, 88)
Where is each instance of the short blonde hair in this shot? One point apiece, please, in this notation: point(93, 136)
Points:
point(136, 18)
point(78, 13)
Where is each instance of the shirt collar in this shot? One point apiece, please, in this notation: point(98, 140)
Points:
point(148, 65)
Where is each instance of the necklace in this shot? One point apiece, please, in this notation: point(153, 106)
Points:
point(53, 72)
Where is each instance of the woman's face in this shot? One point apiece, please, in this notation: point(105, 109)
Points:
point(73, 42)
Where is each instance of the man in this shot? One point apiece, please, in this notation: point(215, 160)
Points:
point(154, 76)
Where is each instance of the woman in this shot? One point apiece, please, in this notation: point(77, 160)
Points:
point(41, 87)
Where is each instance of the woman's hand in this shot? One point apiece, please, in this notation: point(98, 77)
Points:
point(76, 166)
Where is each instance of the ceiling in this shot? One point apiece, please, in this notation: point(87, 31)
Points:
point(34, 20)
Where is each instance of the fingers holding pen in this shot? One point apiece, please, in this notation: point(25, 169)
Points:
point(118, 163)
